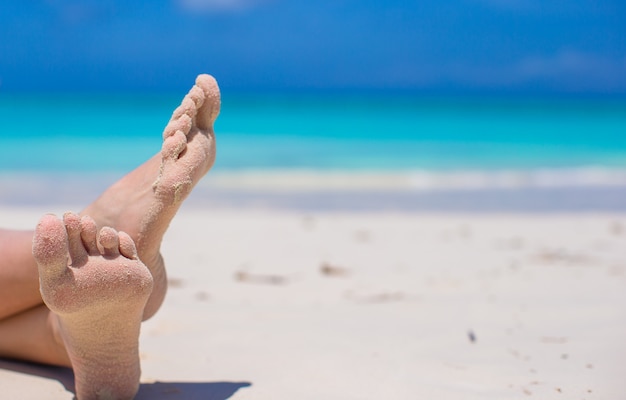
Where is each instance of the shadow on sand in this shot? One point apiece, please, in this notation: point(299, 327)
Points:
point(147, 391)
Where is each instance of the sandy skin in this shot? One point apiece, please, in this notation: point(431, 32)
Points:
point(96, 288)
point(144, 202)
point(141, 204)
point(102, 274)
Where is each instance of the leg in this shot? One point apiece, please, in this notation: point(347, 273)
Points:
point(19, 279)
point(95, 289)
point(142, 203)
point(30, 335)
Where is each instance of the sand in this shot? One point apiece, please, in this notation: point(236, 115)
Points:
point(287, 304)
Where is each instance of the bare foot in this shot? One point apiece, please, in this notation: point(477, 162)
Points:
point(96, 302)
point(144, 202)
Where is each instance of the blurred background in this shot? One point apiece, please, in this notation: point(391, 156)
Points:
point(366, 95)
point(512, 46)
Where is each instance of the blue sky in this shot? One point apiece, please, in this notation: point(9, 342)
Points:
point(512, 46)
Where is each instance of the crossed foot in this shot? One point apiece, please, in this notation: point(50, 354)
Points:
point(143, 203)
point(100, 283)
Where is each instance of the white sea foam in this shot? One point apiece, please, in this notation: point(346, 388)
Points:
point(418, 180)
point(547, 190)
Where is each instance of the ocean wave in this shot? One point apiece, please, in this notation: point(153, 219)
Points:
point(540, 190)
point(418, 180)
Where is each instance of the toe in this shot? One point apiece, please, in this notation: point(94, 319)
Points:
point(50, 246)
point(109, 242)
point(127, 246)
point(211, 105)
point(182, 124)
point(77, 250)
point(187, 107)
point(88, 234)
point(197, 95)
point(174, 145)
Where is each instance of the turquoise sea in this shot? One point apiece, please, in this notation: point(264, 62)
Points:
point(487, 139)
point(319, 131)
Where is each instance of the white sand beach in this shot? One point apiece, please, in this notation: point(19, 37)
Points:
point(288, 304)
point(380, 200)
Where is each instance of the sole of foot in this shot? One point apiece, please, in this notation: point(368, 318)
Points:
point(96, 289)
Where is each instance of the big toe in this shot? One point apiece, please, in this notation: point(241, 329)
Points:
point(207, 113)
point(50, 246)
